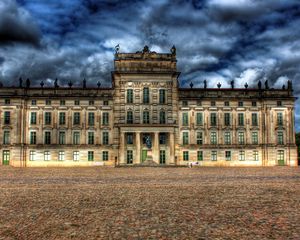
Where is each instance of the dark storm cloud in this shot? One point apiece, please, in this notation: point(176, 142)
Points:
point(217, 40)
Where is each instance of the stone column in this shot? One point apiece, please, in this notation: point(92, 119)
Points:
point(138, 147)
point(122, 148)
point(156, 148)
point(172, 149)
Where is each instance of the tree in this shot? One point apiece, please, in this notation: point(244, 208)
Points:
point(298, 145)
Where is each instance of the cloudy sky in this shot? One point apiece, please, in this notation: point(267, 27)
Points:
point(217, 40)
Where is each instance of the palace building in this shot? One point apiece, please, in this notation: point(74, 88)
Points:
point(146, 118)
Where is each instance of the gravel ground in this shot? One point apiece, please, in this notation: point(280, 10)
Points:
point(150, 203)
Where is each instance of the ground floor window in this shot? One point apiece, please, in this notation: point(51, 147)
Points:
point(185, 155)
point(255, 156)
point(46, 156)
point(200, 155)
point(129, 157)
point(32, 155)
point(162, 156)
point(105, 155)
point(242, 155)
point(280, 157)
point(61, 155)
point(76, 156)
point(90, 156)
point(6, 157)
point(227, 155)
point(214, 155)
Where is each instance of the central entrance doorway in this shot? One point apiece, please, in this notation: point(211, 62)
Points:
point(144, 155)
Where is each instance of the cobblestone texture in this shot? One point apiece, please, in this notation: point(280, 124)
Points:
point(150, 203)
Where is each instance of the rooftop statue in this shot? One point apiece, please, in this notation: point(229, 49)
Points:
point(173, 50)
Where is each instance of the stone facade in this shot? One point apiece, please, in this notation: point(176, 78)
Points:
point(146, 118)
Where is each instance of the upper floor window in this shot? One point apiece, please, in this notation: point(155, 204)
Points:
point(129, 138)
point(7, 101)
point(105, 118)
point(254, 119)
point(105, 138)
point(280, 138)
point(162, 138)
point(62, 102)
point(62, 118)
point(185, 138)
point(62, 138)
point(199, 103)
point(212, 103)
point(199, 118)
point(185, 103)
point(91, 137)
point(33, 118)
point(254, 104)
point(33, 102)
point(226, 104)
point(241, 138)
point(129, 117)
point(279, 103)
point(280, 119)
point(48, 102)
point(76, 138)
point(6, 137)
point(199, 138)
point(47, 138)
point(146, 95)
point(254, 138)
point(6, 117)
point(213, 119)
point(76, 102)
point(105, 103)
point(240, 104)
point(185, 119)
point(129, 95)
point(76, 118)
point(162, 96)
point(227, 119)
point(91, 103)
point(48, 117)
point(146, 117)
point(162, 117)
point(91, 118)
point(241, 119)
point(227, 138)
point(213, 138)
point(32, 139)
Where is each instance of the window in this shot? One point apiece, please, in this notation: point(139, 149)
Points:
point(213, 119)
point(76, 102)
point(228, 155)
point(280, 119)
point(48, 102)
point(255, 155)
point(227, 119)
point(105, 139)
point(33, 118)
point(213, 155)
point(91, 118)
point(129, 117)
point(76, 138)
point(185, 138)
point(162, 96)
point(6, 137)
point(33, 102)
point(105, 103)
point(146, 95)
point(105, 155)
point(62, 138)
point(162, 138)
point(227, 138)
point(105, 118)
point(213, 138)
point(199, 155)
point(146, 117)
point(199, 139)
point(199, 118)
point(129, 95)
point(279, 103)
point(90, 156)
point(48, 118)
point(241, 137)
point(212, 103)
point(62, 118)
point(129, 138)
point(7, 101)
point(91, 102)
point(76, 156)
point(185, 119)
point(32, 155)
point(129, 157)
point(61, 155)
point(6, 117)
point(162, 157)
point(199, 103)
point(254, 104)
point(241, 119)
point(254, 119)
point(226, 104)
point(6, 157)
point(241, 155)
point(47, 138)
point(254, 137)
point(91, 137)
point(62, 103)
point(280, 156)
point(162, 117)
point(240, 104)
point(76, 118)
point(32, 137)
point(185, 155)
point(46, 155)
point(184, 103)
point(280, 138)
